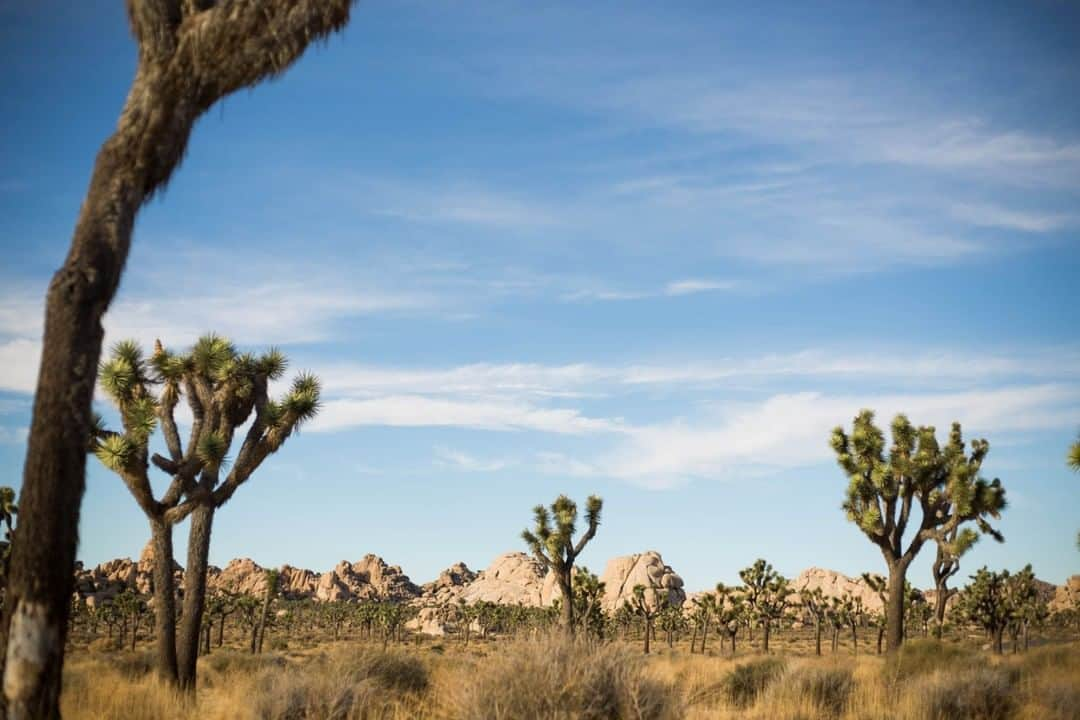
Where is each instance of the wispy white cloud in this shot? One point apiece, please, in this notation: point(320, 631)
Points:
point(423, 411)
point(455, 203)
point(791, 430)
point(448, 457)
point(1009, 219)
point(692, 286)
point(676, 288)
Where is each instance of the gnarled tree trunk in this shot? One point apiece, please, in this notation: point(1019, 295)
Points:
point(202, 519)
point(191, 54)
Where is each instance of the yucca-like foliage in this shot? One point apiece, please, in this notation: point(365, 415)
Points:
point(1000, 601)
point(552, 542)
point(815, 604)
point(940, 484)
point(766, 593)
point(223, 389)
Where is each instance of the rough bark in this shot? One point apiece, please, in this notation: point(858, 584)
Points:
point(566, 608)
point(164, 600)
point(894, 607)
point(191, 54)
point(202, 519)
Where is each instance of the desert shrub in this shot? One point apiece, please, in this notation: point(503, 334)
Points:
point(104, 645)
point(225, 662)
point(1058, 699)
point(94, 691)
point(981, 693)
point(279, 644)
point(925, 656)
point(390, 670)
point(558, 677)
point(746, 682)
point(1051, 657)
point(134, 665)
point(825, 689)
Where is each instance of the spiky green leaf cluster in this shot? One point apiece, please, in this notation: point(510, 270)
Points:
point(212, 449)
point(916, 469)
point(213, 356)
point(115, 452)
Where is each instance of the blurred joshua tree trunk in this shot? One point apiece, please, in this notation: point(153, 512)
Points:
point(191, 54)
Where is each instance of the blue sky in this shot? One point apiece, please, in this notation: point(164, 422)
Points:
point(650, 251)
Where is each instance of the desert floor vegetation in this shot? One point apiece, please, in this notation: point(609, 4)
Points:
point(552, 676)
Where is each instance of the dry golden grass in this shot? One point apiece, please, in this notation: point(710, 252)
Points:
point(552, 678)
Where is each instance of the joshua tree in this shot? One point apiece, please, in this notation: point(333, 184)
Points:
point(272, 577)
point(192, 53)
point(247, 607)
point(555, 548)
point(706, 609)
point(840, 610)
point(766, 593)
point(220, 605)
point(815, 603)
point(588, 592)
point(131, 609)
point(648, 604)
point(224, 389)
point(998, 601)
point(883, 490)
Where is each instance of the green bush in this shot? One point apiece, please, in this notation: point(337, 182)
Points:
point(924, 657)
point(827, 688)
point(558, 677)
point(983, 693)
point(746, 682)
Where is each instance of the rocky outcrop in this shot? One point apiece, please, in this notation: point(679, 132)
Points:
point(834, 585)
point(512, 578)
point(1067, 596)
point(369, 578)
point(646, 569)
point(449, 585)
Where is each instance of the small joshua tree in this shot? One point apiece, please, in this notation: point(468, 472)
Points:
point(272, 577)
point(816, 605)
point(648, 604)
point(223, 389)
point(766, 593)
point(705, 609)
point(883, 490)
point(554, 546)
point(1000, 601)
point(588, 593)
point(730, 612)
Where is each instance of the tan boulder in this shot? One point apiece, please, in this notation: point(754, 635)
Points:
point(834, 584)
point(512, 578)
point(1066, 596)
point(622, 574)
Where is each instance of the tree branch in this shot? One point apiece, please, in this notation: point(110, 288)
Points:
point(238, 43)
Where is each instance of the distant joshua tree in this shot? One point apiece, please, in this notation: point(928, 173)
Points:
point(648, 604)
point(883, 490)
point(272, 578)
point(1000, 601)
point(705, 609)
point(766, 593)
point(224, 389)
point(191, 53)
point(554, 546)
point(816, 605)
